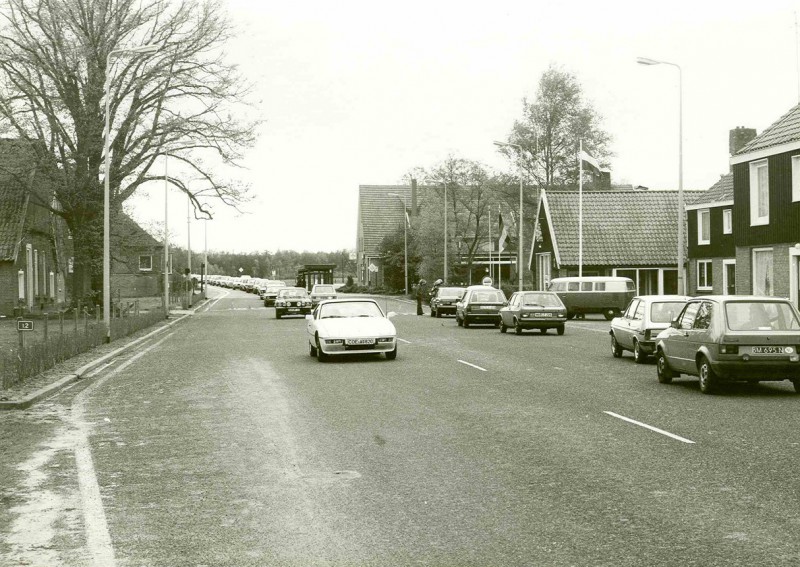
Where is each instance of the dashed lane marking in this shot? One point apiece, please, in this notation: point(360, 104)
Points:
point(473, 365)
point(650, 427)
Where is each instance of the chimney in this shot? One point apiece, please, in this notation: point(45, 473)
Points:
point(413, 197)
point(739, 137)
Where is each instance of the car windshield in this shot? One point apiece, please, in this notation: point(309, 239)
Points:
point(349, 309)
point(761, 316)
point(450, 292)
point(541, 300)
point(488, 296)
point(292, 293)
point(324, 289)
point(665, 311)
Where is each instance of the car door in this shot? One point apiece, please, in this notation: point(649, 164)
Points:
point(506, 313)
point(679, 351)
point(622, 326)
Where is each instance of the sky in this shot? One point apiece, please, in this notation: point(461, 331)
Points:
point(358, 93)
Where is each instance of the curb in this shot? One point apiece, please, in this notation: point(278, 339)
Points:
point(50, 389)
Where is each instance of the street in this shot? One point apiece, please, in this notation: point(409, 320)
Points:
point(223, 443)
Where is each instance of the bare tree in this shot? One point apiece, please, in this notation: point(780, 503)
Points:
point(57, 57)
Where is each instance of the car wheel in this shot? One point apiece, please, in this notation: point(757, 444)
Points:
point(616, 350)
point(638, 356)
point(543, 330)
point(560, 329)
point(708, 378)
point(796, 383)
point(312, 350)
point(277, 314)
point(503, 327)
point(465, 323)
point(392, 354)
point(664, 372)
point(609, 314)
point(517, 327)
point(321, 356)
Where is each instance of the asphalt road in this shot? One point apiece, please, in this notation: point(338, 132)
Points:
point(225, 444)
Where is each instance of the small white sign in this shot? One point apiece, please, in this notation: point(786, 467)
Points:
point(372, 268)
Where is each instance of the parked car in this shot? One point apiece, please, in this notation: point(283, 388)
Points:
point(339, 327)
point(322, 291)
point(594, 294)
point(444, 300)
point(646, 316)
point(271, 293)
point(292, 301)
point(480, 304)
point(533, 310)
point(728, 338)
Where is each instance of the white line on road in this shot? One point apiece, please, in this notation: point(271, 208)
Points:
point(403, 341)
point(650, 427)
point(470, 364)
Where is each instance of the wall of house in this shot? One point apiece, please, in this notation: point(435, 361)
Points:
point(781, 262)
point(721, 244)
point(717, 274)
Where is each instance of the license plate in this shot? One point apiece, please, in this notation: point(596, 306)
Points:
point(360, 341)
point(294, 309)
point(768, 350)
point(543, 314)
point(487, 307)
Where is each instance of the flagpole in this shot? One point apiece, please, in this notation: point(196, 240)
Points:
point(580, 209)
point(499, 260)
point(491, 244)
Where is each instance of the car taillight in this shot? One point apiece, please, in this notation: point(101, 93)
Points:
point(728, 349)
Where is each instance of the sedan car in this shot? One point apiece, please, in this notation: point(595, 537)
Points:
point(292, 301)
point(270, 293)
point(480, 304)
point(730, 338)
point(322, 291)
point(350, 326)
point(533, 310)
point(644, 317)
point(444, 299)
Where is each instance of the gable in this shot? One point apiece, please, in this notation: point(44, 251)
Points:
point(17, 166)
point(783, 135)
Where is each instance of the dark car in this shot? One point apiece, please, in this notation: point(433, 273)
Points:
point(292, 301)
point(729, 338)
point(444, 300)
point(480, 304)
point(533, 310)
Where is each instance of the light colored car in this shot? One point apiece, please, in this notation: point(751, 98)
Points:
point(730, 338)
point(292, 301)
point(533, 310)
point(339, 327)
point(480, 304)
point(644, 318)
point(322, 291)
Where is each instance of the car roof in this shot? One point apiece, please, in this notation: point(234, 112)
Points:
point(725, 298)
point(664, 297)
point(481, 287)
point(348, 300)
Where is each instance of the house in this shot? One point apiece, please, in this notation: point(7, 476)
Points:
point(628, 233)
point(34, 248)
point(766, 210)
point(136, 260)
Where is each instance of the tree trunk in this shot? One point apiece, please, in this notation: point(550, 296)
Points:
point(87, 245)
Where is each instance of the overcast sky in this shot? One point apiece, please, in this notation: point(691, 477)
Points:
point(361, 92)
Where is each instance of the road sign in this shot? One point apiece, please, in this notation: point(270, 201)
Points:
point(24, 325)
point(372, 268)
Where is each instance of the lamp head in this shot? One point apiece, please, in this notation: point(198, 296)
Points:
point(647, 61)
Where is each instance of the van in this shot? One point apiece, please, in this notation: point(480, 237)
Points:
point(594, 294)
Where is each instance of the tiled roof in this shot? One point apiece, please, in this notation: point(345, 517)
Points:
point(379, 213)
point(785, 129)
point(126, 232)
point(16, 160)
point(722, 190)
point(635, 228)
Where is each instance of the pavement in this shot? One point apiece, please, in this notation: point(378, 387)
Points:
point(50, 382)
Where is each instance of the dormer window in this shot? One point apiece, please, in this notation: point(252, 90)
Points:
point(703, 226)
point(759, 193)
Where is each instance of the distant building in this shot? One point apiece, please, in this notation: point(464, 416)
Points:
point(136, 260)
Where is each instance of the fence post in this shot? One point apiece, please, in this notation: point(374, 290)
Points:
point(46, 317)
point(85, 320)
point(61, 322)
point(76, 317)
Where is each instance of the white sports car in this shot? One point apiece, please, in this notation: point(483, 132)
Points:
point(350, 326)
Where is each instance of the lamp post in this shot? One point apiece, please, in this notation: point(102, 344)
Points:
point(646, 61)
point(405, 239)
point(143, 49)
point(444, 184)
point(520, 245)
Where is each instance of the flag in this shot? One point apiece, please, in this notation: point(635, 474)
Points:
point(591, 162)
point(503, 234)
point(408, 220)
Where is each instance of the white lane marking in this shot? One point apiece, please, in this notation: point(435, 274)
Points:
point(214, 301)
point(650, 427)
point(470, 364)
point(585, 327)
point(98, 538)
point(403, 341)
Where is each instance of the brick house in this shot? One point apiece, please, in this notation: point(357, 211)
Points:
point(630, 233)
point(136, 260)
point(766, 210)
point(34, 247)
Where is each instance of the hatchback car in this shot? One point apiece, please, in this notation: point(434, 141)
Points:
point(444, 299)
point(729, 338)
point(533, 310)
point(646, 316)
point(292, 301)
point(350, 326)
point(270, 293)
point(322, 291)
point(480, 304)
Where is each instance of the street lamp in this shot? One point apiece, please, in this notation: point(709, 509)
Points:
point(144, 50)
point(646, 61)
point(520, 245)
point(405, 238)
point(444, 184)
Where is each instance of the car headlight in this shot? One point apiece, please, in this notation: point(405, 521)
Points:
point(334, 341)
point(385, 339)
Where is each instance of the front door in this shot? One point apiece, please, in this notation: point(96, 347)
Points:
point(542, 271)
point(730, 279)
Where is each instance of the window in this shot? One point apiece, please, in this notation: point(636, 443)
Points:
point(688, 315)
point(631, 310)
point(703, 226)
point(639, 314)
point(727, 221)
point(703, 318)
point(795, 178)
point(704, 272)
point(759, 192)
point(145, 263)
point(762, 271)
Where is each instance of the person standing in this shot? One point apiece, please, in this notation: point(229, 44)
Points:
point(420, 295)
